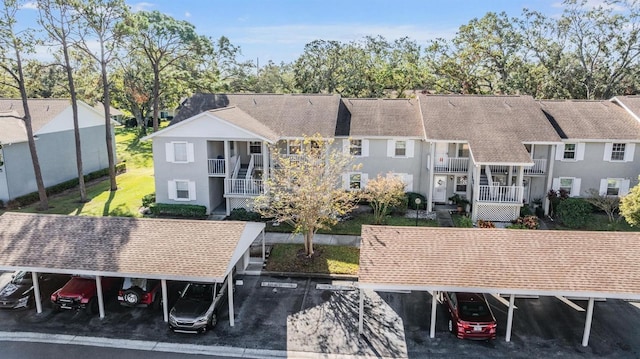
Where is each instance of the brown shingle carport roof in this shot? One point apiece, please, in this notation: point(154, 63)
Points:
point(562, 263)
point(185, 250)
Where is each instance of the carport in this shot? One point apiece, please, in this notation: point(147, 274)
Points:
point(164, 249)
point(514, 262)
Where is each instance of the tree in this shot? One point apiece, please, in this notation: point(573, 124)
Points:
point(305, 190)
point(609, 204)
point(100, 19)
point(12, 46)
point(57, 20)
point(384, 193)
point(630, 206)
point(165, 42)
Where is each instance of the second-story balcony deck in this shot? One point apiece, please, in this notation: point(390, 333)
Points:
point(243, 187)
point(501, 194)
point(452, 165)
point(216, 167)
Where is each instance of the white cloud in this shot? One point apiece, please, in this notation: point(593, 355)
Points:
point(592, 4)
point(31, 5)
point(142, 6)
point(187, 14)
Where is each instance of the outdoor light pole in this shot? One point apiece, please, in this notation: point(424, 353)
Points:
point(417, 201)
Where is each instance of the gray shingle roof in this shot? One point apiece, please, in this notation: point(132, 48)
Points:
point(384, 117)
point(495, 126)
point(240, 118)
point(42, 110)
point(630, 102)
point(579, 119)
point(155, 248)
point(12, 129)
point(501, 260)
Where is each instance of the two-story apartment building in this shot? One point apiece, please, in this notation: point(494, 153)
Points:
point(500, 152)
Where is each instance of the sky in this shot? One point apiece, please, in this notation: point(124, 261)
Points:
point(278, 30)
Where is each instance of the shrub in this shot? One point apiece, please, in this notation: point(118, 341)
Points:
point(178, 210)
point(148, 200)
point(464, 222)
point(485, 224)
point(526, 222)
point(525, 211)
point(517, 226)
point(241, 214)
point(411, 200)
point(574, 212)
point(539, 212)
point(1, 203)
point(401, 208)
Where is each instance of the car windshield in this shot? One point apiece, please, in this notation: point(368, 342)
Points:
point(22, 278)
point(134, 282)
point(199, 292)
point(474, 310)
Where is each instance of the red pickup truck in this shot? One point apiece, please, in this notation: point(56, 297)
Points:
point(80, 292)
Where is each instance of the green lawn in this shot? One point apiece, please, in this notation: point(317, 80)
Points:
point(326, 260)
point(132, 185)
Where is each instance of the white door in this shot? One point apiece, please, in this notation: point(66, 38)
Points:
point(442, 155)
point(439, 189)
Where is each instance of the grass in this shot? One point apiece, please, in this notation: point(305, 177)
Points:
point(600, 222)
point(353, 227)
point(132, 185)
point(326, 260)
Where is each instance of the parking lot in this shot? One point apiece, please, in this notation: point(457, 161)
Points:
point(296, 314)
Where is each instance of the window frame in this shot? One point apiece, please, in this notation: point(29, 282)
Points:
point(251, 145)
point(617, 151)
point(561, 186)
point(573, 151)
point(455, 184)
point(188, 192)
point(618, 182)
point(175, 152)
point(351, 181)
point(355, 147)
point(403, 148)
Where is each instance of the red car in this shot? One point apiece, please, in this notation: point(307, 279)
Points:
point(80, 292)
point(140, 292)
point(470, 316)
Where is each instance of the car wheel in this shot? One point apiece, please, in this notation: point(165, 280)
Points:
point(132, 296)
point(213, 321)
point(92, 306)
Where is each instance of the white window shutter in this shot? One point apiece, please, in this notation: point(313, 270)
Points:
point(575, 189)
point(391, 148)
point(192, 191)
point(607, 151)
point(364, 178)
point(345, 180)
point(560, 152)
point(629, 150)
point(555, 184)
point(365, 148)
point(410, 148)
point(169, 152)
point(408, 182)
point(171, 185)
point(580, 151)
point(190, 153)
point(603, 187)
point(346, 146)
point(624, 188)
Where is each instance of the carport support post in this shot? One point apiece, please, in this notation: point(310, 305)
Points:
point(264, 251)
point(510, 317)
point(36, 292)
point(434, 307)
point(587, 324)
point(165, 300)
point(230, 294)
point(100, 298)
point(361, 312)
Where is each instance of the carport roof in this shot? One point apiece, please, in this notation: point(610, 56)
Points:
point(188, 250)
point(540, 262)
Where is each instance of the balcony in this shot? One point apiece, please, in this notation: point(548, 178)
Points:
point(452, 165)
point(243, 187)
point(539, 167)
point(501, 194)
point(216, 167)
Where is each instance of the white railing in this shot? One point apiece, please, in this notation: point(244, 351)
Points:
point(499, 168)
point(539, 166)
point(501, 194)
point(249, 173)
point(258, 160)
point(216, 166)
point(245, 187)
point(236, 166)
point(453, 164)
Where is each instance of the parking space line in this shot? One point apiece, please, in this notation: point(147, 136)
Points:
point(635, 304)
point(279, 285)
point(570, 303)
point(502, 300)
point(321, 286)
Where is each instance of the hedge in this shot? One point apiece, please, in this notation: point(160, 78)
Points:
point(178, 210)
point(34, 197)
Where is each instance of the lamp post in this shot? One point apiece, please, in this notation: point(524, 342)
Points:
point(417, 201)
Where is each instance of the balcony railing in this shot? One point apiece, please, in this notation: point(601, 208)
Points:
point(257, 160)
point(453, 164)
point(501, 194)
point(498, 169)
point(244, 187)
point(216, 167)
point(539, 167)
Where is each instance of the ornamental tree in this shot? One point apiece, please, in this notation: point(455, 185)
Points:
point(384, 193)
point(630, 205)
point(305, 189)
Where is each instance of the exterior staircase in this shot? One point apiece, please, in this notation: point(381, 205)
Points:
point(242, 172)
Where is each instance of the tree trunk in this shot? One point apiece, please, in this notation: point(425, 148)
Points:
point(308, 243)
point(107, 125)
point(156, 96)
point(76, 126)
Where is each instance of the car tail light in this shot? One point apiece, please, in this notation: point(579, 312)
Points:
point(54, 297)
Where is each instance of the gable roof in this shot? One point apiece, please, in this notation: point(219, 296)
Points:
point(12, 129)
point(494, 126)
point(583, 119)
point(287, 115)
point(42, 110)
point(630, 103)
point(384, 117)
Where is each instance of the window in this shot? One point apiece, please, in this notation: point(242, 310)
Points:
point(182, 190)
point(461, 183)
point(180, 152)
point(463, 150)
point(401, 148)
point(613, 187)
point(355, 181)
point(294, 147)
point(617, 151)
point(355, 147)
point(566, 184)
point(569, 151)
point(255, 147)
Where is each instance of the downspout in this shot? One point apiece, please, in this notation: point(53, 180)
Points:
point(551, 158)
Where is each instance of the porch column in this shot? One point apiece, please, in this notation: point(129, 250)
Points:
point(99, 294)
point(434, 307)
point(476, 193)
point(36, 292)
point(361, 312)
point(265, 161)
point(587, 324)
point(227, 174)
point(470, 168)
point(230, 298)
point(520, 178)
point(165, 300)
point(510, 318)
point(550, 158)
point(430, 162)
point(510, 176)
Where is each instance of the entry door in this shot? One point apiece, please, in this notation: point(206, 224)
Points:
point(442, 155)
point(439, 188)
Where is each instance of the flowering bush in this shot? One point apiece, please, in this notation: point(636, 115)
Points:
point(526, 222)
point(485, 224)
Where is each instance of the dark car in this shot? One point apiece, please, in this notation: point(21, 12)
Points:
point(470, 316)
point(140, 292)
point(80, 292)
point(197, 307)
point(18, 293)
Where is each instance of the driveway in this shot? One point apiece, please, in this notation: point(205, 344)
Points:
point(303, 315)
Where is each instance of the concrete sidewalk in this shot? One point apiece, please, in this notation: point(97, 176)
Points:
point(332, 239)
